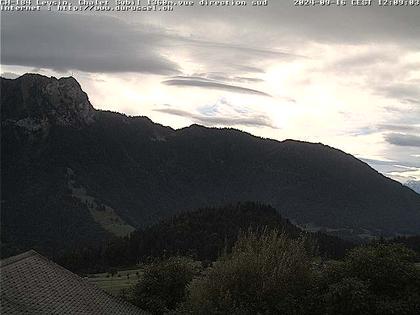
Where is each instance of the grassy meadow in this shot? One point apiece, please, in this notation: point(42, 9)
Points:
point(114, 284)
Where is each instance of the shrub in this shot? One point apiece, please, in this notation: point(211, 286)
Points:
point(348, 296)
point(266, 273)
point(389, 268)
point(163, 285)
point(376, 279)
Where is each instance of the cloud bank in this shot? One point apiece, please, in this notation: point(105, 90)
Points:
point(205, 83)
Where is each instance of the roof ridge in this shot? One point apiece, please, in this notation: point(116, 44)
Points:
point(61, 290)
point(19, 257)
point(30, 253)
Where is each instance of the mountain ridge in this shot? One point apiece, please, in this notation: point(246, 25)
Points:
point(145, 171)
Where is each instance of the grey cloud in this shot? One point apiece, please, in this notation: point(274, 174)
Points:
point(226, 77)
point(395, 170)
point(253, 120)
point(378, 162)
point(400, 139)
point(371, 62)
point(246, 79)
point(367, 59)
point(10, 75)
point(280, 21)
point(394, 164)
point(219, 77)
point(193, 77)
point(399, 128)
point(242, 49)
point(404, 91)
point(91, 43)
point(406, 113)
point(213, 85)
point(364, 131)
point(411, 101)
point(101, 43)
point(233, 65)
point(236, 58)
point(248, 68)
point(414, 185)
point(388, 127)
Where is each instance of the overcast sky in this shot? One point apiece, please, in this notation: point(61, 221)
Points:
point(348, 77)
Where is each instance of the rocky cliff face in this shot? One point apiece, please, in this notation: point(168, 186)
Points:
point(34, 102)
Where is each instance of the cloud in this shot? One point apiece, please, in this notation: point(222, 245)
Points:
point(222, 113)
point(377, 161)
point(10, 75)
point(255, 121)
point(401, 139)
point(200, 77)
point(401, 91)
point(406, 174)
point(411, 101)
point(365, 60)
point(90, 43)
point(386, 127)
point(248, 68)
point(246, 79)
point(414, 185)
point(108, 44)
point(209, 84)
point(280, 22)
point(219, 77)
point(243, 49)
point(400, 172)
point(399, 128)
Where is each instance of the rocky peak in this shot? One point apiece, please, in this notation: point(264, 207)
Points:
point(33, 101)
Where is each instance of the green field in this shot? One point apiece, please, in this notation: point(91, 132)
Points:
point(123, 279)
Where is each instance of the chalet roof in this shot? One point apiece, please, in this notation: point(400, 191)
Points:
point(32, 284)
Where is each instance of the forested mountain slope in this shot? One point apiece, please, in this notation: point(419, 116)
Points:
point(71, 173)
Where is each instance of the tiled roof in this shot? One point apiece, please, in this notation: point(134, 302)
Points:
point(32, 284)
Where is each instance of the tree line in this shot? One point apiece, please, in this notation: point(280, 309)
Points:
point(202, 235)
point(267, 272)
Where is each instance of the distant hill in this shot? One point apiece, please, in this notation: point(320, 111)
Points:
point(414, 185)
point(71, 173)
point(203, 234)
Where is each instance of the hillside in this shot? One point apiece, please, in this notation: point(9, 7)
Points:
point(71, 173)
point(204, 234)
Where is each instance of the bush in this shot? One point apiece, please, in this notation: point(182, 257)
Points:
point(163, 285)
point(269, 273)
point(376, 279)
point(348, 296)
point(266, 273)
point(389, 268)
